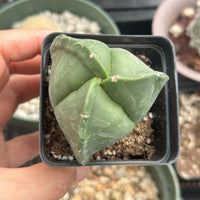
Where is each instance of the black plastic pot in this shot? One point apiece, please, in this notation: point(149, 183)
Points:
point(165, 109)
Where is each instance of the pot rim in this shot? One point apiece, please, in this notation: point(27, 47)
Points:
point(163, 49)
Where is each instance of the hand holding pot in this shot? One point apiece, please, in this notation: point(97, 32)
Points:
point(19, 55)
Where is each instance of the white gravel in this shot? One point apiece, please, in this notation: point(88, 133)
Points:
point(29, 109)
point(115, 183)
point(66, 22)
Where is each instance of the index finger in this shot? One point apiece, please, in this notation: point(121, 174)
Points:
point(40, 181)
point(18, 45)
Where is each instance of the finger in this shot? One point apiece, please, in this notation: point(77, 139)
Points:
point(31, 66)
point(39, 181)
point(22, 149)
point(4, 73)
point(18, 45)
point(20, 88)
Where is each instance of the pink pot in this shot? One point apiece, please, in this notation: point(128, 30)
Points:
point(165, 15)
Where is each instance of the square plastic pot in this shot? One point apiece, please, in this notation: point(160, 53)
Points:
point(165, 109)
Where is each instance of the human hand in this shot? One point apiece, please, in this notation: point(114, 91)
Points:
point(20, 55)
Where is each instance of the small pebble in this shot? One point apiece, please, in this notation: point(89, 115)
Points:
point(176, 30)
point(70, 158)
point(188, 12)
point(151, 115)
point(148, 141)
point(64, 158)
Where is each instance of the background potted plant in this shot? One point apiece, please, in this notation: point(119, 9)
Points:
point(128, 182)
point(166, 14)
point(177, 15)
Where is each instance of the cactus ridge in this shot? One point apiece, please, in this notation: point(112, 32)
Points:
point(98, 93)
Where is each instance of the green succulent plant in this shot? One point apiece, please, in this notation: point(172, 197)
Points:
point(193, 31)
point(98, 93)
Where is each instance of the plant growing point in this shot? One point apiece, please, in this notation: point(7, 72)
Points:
point(98, 93)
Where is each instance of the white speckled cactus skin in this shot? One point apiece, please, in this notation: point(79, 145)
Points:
point(98, 93)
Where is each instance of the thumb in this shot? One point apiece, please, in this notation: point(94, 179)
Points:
point(39, 182)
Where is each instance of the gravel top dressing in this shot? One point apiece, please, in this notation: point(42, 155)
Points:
point(188, 163)
point(115, 183)
point(65, 22)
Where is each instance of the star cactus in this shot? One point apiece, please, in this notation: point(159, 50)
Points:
point(98, 93)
